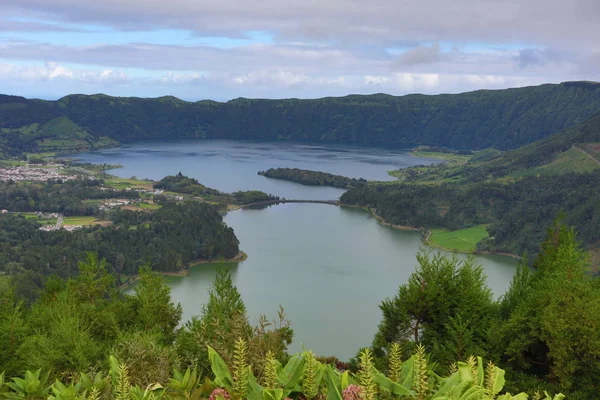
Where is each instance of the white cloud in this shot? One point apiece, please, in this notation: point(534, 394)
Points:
point(52, 71)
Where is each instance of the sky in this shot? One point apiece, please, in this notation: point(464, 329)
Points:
point(224, 49)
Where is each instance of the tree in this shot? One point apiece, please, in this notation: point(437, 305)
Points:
point(442, 300)
point(155, 309)
point(223, 321)
point(553, 327)
point(12, 331)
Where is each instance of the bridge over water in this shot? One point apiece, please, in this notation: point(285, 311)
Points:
point(269, 202)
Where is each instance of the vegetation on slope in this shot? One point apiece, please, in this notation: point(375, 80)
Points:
point(551, 151)
point(445, 309)
point(313, 178)
point(500, 118)
point(518, 213)
point(516, 193)
point(182, 184)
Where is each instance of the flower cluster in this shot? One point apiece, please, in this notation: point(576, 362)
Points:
point(353, 392)
point(219, 394)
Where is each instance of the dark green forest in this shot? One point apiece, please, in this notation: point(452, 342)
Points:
point(168, 239)
point(313, 178)
point(502, 119)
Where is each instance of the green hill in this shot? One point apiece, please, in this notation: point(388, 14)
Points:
point(501, 119)
point(576, 149)
point(58, 134)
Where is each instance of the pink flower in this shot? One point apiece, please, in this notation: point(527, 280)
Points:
point(353, 392)
point(219, 394)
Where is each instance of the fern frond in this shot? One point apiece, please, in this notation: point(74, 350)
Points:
point(123, 384)
point(240, 369)
point(270, 373)
point(420, 382)
point(395, 362)
point(94, 394)
point(365, 375)
point(472, 362)
point(452, 369)
point(490, 378)
point(309, 380)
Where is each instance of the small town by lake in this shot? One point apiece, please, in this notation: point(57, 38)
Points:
point(320, 262)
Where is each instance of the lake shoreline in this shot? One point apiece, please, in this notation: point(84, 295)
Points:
point(241, 256)
point(426, 234)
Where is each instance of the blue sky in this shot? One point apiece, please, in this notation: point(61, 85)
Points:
point(199, 49)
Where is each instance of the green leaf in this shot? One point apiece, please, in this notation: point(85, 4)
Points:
point(480, 372)
point(498, 381)
point(345, 381)
point(334, 383)
point(508, 396)
point(272, 394)
point(386, 384)
point(255, 391)
point(292, 374)
point(447, 386)
point(464, 372)
point(407, 373)
point(219, 368)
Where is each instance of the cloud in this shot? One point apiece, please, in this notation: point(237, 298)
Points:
point(52, 71)
point(382, 21)
point(420, 55)
point(295, 48)
point(534, 56)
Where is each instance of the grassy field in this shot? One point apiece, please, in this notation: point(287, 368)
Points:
point(41, 221)
point(463, 240)
point(442, 156)
point(121, 183)
point(149, 206)
point(572, 160)
point(79, 220)
point(142, 206)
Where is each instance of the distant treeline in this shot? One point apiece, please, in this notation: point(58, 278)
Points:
point(313, 178)
point(486, 118)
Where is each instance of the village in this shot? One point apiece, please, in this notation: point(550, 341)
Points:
point(35, 173)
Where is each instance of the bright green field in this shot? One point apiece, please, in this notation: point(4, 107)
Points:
point(463, 240)
point(118, 183)
point(149, 206)
point(79, 220)
point(572, 160)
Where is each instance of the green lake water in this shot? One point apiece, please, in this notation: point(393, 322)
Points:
point(329, 267)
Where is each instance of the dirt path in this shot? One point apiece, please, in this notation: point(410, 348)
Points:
point(587, 154)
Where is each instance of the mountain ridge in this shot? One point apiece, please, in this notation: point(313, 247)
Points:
point(503, 119)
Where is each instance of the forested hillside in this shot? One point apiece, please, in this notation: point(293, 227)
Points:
point(515, 194)
point(168, 239)
point(84, 339)
point(501, 118)
point(313, 178)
